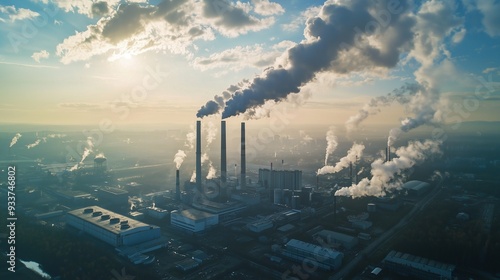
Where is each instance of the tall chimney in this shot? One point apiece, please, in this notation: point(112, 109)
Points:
point(177, 186)
point(243, 159)
point(387, 153)
point(198, 155)
point(223, 163)
point(350, 171)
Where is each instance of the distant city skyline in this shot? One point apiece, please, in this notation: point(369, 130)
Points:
point(158, 62)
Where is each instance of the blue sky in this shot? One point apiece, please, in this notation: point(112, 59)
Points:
point(87, 60)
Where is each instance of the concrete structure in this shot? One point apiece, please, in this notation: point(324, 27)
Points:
point(223, 157)
point(260, 225)
point(323, 257)
point(193, 220)
point(177, 186)
point(243, 157)
point(416, 188)
point(198, 156)
point(332, 237)
point(281, 179)
point(111, 227)
point(421, 268)
point(99, 164)
point(156, 212)
point(371, 207)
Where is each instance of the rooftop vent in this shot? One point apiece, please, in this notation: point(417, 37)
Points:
point(104, 217)
point(96, 214)
point(88, 210)
point(114, 220)
point(124, 226)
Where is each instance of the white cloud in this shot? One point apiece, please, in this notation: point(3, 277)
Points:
point(491, 16)
point(172, 25)
point(459, 35)
point(90, 8)
point(12, 13)
point(39, 55)
point(301, 20)
point(242, 57)
point(489, 70)
point(266, 8)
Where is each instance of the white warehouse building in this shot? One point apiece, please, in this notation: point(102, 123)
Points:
point(325, 258)
point(193, 220)
point(110, 227)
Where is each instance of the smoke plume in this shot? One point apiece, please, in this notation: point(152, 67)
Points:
point(333, 42)
point(29, 146)
point(211, 130)
point(401, 95)
point(354, 153)
point(179, 158)
point(14, 140)
point(386, 176)
point(86, 152)
point(211, 170)
point(331, 143)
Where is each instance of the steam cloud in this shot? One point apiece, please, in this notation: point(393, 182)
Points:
point(354, 153)
point(386, 176)
point(179, 158)
point(333, 42)
point(38, 141)
point(14, 140)
point(401, 95)
point(332, 143)
point(86, 152)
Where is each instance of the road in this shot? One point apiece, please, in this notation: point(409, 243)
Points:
point(387, 235)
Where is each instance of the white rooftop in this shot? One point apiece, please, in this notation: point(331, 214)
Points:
point(109, 220)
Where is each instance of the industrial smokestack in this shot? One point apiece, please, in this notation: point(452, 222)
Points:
point(198, 155)
point(387, 153)
point(243, 158)
point(223, 163)
point(177, 186)
point(350, 171)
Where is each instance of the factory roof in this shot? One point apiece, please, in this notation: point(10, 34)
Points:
point(313, 249)
point(114, 191)
point(420, 263)
point(332, 235)
point(194, 214)
point(218, 208)
point(109, 220)
point(415, 185)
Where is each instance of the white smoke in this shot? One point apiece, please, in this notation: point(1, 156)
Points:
point(56, 135)
point(354, 153)
point(193, 177)
point(361, 171)
point(86, 152)
point(179, 158)
point(305, 138)
point(29, 146)
point(387, 176)
point(401, 95)
point(211, 130)
point(191, 138)
point(211, 170)
point(332, 143)
point(14, 140)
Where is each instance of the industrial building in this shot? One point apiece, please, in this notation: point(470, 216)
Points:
point(416, 188)
point(111, 227)
point(332, 237)
point(225, 211)
point(260, 225)
point(323, 257)
point(281, 179)
point(112, 196)
point(420, 268)
point(193, 220)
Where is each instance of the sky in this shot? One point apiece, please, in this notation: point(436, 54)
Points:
point(144, 62)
